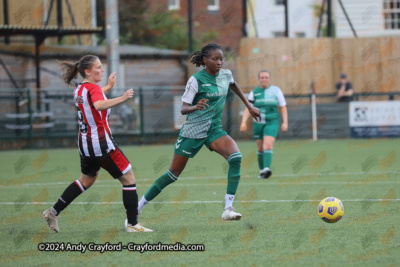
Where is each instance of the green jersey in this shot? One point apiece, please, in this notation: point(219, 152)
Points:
point(267, 100)
point(201, 85)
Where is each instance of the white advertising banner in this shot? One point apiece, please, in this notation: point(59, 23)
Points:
point(374, 118)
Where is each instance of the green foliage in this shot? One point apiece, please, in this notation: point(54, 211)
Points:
point(157, 28)
point(324, 27)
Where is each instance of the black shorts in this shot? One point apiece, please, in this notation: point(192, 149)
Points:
point(114, 162)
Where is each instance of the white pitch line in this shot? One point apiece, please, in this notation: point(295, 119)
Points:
point(201, 202)
point(215, 177)
point(282, 183)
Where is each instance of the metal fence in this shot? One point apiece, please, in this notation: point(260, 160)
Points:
point(152, 116)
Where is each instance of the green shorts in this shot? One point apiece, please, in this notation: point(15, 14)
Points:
point(189, 147)
point(265, 129)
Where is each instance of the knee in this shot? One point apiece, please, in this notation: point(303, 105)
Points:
point(268, 146)
point(235, 159)
point(87, 183)
point(175, 171)
point(128, 178)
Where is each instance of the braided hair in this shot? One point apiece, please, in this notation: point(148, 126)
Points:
point(197, 57)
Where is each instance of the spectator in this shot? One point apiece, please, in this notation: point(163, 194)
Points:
point(344, 89)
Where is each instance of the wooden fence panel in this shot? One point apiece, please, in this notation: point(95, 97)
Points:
point(372, 64)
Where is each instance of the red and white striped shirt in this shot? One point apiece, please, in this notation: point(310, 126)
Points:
point(95, 137)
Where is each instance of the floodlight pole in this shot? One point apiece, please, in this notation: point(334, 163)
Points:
point(5, 12)
point(244, 18)
point(329, 11)
point(190, 30)
point(94, 22)
point(285, 3)
point(59, 18)
point(112, 37)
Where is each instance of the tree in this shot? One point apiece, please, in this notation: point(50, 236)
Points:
point(140, 25)
point(324, 27)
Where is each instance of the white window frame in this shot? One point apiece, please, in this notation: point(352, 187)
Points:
point(278, 34)
point(175, 6)
point(387, 10)
point(214, 7)
point(297, 34)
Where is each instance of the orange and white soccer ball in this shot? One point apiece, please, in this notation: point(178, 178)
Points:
point(331, 209)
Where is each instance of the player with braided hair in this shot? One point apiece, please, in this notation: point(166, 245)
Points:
point(203, 102)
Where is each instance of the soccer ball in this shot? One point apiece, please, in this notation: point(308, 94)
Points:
point(330, 209)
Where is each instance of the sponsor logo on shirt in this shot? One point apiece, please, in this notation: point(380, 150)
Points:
point(206, 84)
point(216, 94)
point(257, 94)
point(265, 101)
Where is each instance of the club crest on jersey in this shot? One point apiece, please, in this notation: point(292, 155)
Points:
point(79, 99)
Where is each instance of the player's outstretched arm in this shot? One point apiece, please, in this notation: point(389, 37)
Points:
point(255, 112)
point(111, 82)
point(109, 103)
point(243, 125)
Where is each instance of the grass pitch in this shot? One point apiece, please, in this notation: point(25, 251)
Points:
point(280, 225)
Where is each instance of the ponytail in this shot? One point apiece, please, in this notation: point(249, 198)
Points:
point(71, 69)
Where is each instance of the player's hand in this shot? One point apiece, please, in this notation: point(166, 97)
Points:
point(284, 127)
point(201, 105)
point(255, 112)
point(243, 127)
point(112, 79)
point(128, 94)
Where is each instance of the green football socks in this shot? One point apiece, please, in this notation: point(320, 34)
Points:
point(164, 180)
point(267, 158)
point(260, 156)
point(234, 160)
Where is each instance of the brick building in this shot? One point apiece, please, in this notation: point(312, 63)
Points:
point(219, 18)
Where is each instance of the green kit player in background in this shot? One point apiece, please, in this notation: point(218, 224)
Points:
point(204, 101)
point(270, 100)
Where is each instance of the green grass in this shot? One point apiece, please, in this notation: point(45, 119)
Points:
point(271, 233)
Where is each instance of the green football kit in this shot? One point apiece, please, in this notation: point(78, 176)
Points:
point(267, 100)
point(203, 126)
